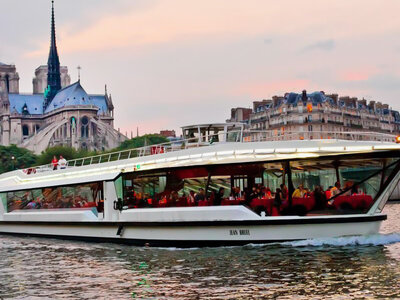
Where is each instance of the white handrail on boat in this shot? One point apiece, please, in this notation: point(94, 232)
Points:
point(202, 141)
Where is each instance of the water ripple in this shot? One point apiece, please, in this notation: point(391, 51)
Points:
point(340, 268)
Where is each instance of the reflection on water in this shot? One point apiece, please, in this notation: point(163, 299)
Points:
point(345, 268)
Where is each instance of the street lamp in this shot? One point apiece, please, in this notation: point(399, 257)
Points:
point(13, 162)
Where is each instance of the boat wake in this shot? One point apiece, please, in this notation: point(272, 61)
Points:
point(376, 240)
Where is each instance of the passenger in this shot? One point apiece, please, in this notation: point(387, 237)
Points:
point(354, 190)
point(336, 189)
point(259, 193)
point(285, 192)
point(299, 192)
point(190, 198)
point(62, 163)
point(328, 193)
point(268, 193)
point(319, 197)
point(31, 205)
point(219, 196)
point(54, 162)
point(174, 198)
point(236, 193)
point(278, 199)
point(200, 196)
point(348, 188)
point(253, 194)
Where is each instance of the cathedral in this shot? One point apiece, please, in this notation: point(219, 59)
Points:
point(57, 112)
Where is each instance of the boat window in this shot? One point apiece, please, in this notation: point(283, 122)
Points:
point(73, 196)
point(299, 187)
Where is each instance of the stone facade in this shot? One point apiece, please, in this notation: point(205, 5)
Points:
point(321, 116)
point(57, 112)
point(40, 80)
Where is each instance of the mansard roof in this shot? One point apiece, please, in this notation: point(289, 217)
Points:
point(315, 97)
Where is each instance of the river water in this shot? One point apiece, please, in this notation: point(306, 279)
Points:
point(336, 268)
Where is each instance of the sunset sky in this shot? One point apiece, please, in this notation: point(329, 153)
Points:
point(180, 62)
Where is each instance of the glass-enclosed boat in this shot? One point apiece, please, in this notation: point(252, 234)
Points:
point(222, 194)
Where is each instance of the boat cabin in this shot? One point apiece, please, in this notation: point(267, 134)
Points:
point(213, 133)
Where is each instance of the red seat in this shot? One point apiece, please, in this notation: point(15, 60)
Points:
point(204, 203)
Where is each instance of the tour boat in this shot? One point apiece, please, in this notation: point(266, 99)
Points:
point(229, 193)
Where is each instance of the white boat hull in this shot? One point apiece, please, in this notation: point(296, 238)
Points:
point(189, 234)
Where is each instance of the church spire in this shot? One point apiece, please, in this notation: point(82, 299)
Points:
point(53, 64)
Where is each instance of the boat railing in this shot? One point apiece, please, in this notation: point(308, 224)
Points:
point(242, 136)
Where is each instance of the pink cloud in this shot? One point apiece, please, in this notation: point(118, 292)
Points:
point(357, 74)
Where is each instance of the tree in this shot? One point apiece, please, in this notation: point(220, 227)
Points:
point(13, 157)
point(140, 141)
point(47, 156)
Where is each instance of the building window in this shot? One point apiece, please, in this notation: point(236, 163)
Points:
point(85, 127)
point(25, 130)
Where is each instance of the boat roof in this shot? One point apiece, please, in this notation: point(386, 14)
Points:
point(219, 153)
point(211, 125)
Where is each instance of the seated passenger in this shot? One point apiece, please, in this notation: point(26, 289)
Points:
point(268, 193)
point(328, 193)
point(336, 189)
point(173, 198)
point(200, 196)
point(285, 192)
point(253, 194)
point(219, 196)
point(190, 198)
point(348, 188)
point(299, 192)
point(319, 197)
point(278, 199)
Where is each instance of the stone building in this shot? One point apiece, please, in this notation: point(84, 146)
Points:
point(318, 115)
point(57, 113)
point(240, 114)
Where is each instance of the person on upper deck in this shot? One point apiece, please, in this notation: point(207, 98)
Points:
point(54, 162)
point(299, 192)
point(62, 163)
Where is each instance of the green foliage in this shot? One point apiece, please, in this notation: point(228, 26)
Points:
point(23, 158)
point(147, 139)
point(47, 156)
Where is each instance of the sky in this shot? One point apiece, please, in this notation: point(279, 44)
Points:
point(173, 63)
